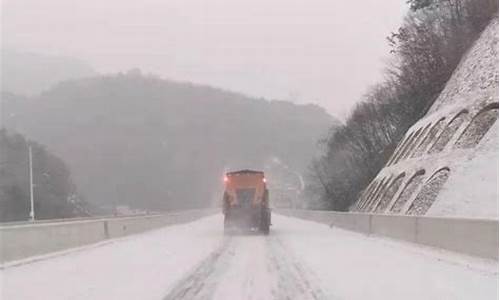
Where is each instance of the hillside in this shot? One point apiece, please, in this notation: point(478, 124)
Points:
point(447, 163)
point(156, 144)
point(434, 39)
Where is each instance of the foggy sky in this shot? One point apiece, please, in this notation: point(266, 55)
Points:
point(321, 51)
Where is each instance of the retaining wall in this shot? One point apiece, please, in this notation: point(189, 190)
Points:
point(19, 241)
point(478, 237)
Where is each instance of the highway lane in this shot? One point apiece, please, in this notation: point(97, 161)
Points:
point(298, 260)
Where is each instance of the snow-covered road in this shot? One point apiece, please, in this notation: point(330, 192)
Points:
point(298, 260)
point(248, 267)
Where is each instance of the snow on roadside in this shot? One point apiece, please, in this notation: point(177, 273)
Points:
point(136, 267)
point(350, 265)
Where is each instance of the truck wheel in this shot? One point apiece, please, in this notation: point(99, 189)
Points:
point(265, 229)
point(265, 222)
point(227, 224)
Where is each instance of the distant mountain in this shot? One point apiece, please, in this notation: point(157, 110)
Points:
point(157, 144)
point(31, 73)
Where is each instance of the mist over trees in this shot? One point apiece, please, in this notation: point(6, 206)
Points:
point(26, 73)
point(152, 144)
point(54, 192)
point(425, 51)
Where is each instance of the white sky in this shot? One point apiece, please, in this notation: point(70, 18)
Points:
point(321, 51)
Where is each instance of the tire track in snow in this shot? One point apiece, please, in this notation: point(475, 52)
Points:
point(249, 267)
point(200, 283)
point(295, 281)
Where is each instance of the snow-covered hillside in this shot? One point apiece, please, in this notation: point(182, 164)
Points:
point(447, 163)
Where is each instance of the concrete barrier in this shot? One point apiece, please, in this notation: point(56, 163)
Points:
point(397, 227)
point(19, 241)
point(359, 224)
point(470, 236)
point(478, 237)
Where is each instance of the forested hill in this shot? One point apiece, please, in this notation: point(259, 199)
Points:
point(425, 51)
point(55, 196)
point(157, 144)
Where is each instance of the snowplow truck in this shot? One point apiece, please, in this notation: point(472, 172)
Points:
point(246, 202)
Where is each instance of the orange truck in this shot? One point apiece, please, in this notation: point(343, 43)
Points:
point(246, 201)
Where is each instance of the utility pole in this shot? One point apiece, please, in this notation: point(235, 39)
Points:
point(32, 202)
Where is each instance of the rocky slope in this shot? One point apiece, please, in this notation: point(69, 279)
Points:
point(447, 163)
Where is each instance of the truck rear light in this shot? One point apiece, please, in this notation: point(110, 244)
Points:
point(226, 179)
point(264, 180)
